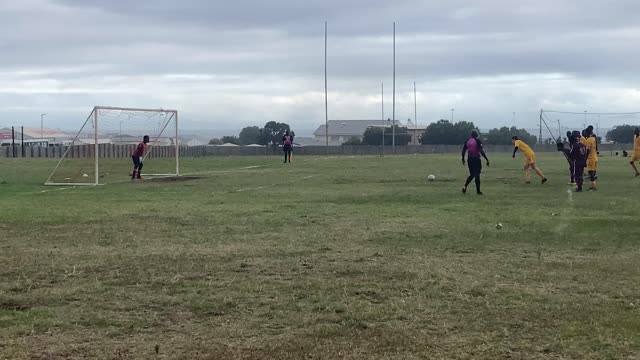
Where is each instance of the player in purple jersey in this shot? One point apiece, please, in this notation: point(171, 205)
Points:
point(567, 154)
point(578, 154)
point(474, 148)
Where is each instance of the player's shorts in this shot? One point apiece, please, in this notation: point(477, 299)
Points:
point(475, 165)
point(529, 159)
point(137, 161)
point(635, 157)
point(592, 164)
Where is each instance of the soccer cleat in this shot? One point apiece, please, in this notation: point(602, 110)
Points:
point(464, 190)
point(593, 189)
point(479, 193)
point(527, 182)
point(578, 190)
point(544, 180)
point(571, 183)
point(637, 174)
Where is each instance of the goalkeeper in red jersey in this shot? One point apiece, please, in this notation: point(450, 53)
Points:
point(137, 155)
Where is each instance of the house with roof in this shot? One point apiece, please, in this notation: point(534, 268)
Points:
point(340, 131)
point(33, 136)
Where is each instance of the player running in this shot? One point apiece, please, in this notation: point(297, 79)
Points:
point(530, 160)
point(137, 155)
point(636, 150)
point(592, 159)
point(287, 146)
point(474, 146)
point(578, 154)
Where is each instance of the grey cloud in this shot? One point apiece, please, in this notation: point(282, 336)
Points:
point(235, 59)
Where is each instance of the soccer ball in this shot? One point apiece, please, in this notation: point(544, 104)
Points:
point(431, 178)
point(498, 226)
point(85, 175)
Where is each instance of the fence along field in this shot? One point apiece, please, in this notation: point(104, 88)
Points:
point(347, 257)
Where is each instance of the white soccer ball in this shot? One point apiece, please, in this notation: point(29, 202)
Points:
point(85, 175)
point(498, 226)
point(431, 177)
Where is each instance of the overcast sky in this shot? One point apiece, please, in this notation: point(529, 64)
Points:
point(228, 64)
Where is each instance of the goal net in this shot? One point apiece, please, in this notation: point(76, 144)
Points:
point(100, 153)
point(555, 123)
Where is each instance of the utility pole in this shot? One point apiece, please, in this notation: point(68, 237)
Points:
point(393, 125)
point(415, 112)
point(382, 118)
point(326, 96)
point(540, 129)
point(42, 125)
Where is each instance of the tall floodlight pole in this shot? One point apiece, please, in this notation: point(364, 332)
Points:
point(452, 110)
point(42, 125)
point(540, 129)
point(326, 92)
point(559, 129)
point(382, 117)
point(393, 124)
point(514, 119)
point(415, 112)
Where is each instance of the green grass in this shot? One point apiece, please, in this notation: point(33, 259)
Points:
point(326, 258)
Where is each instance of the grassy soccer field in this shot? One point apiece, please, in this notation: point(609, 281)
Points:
point(326, 258)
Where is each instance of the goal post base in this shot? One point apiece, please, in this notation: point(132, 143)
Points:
point(70, 184)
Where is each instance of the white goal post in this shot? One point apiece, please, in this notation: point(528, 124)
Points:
point(100, 152)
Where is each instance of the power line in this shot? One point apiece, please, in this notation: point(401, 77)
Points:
point(591, 113)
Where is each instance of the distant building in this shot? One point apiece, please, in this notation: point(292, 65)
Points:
point(33, 137)
point(343, 130)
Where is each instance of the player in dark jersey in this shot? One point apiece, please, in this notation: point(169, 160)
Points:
point(567, 154)
point(474, 148)
point(287, 146)
point(578, 154)
point(137, 155)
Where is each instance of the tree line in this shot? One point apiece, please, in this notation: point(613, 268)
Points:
point(442, 132)
point(269, 135)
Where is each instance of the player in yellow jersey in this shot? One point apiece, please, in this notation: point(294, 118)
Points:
point(530, 160)
point(636, 150)
point(592, 159)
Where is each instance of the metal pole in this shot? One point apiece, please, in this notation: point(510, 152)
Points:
point(96, 151)
point(326, 96)
point(177, 148)
point(393, 124)
point(559, 130)
point(13, 142)
point(22, 140)
point(540, 129)
point(415, 112)
point(452, 110)
point(382, 117)
point(42, 125)
point(514, 119)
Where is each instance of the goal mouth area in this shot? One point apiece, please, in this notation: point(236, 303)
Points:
point(101, 151)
